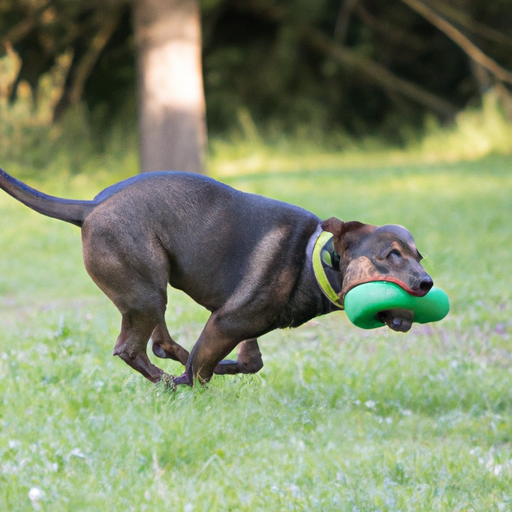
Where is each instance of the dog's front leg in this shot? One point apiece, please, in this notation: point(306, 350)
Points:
point(218, 339)
point(248, 360)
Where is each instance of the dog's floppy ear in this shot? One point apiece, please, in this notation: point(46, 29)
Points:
point(346, 235)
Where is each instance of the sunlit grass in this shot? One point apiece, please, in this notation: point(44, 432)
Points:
point(476, 132)
point(338, 419)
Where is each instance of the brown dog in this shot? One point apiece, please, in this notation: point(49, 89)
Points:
point(246, 258)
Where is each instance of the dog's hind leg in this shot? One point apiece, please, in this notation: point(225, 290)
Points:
point(133, 273)
point(136, 328)
point(248, 360)
point(165, 347)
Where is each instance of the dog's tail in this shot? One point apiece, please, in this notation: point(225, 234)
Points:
point(67, 210)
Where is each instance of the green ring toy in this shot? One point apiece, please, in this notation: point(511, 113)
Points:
point(366, 303)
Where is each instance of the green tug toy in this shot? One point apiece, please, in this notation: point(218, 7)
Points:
point(374, 304)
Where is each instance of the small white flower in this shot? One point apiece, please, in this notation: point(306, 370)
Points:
point(76, 452)
point(294, 490)
point(35, 494)
point(13, 443)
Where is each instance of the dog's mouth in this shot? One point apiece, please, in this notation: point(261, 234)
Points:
point(399, 320)
point(419, 291)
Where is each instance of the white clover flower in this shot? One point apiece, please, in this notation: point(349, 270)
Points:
point(35, 494)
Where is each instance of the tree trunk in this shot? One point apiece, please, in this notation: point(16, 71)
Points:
point(172, 122)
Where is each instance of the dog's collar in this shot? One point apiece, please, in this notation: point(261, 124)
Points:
point(324, 256)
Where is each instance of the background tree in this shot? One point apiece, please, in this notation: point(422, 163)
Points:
point(170, 85)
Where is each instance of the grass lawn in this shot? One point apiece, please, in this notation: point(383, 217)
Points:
point(339, 419)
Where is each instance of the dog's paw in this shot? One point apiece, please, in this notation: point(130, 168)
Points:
point(227, 367)
point(182, 379)
point(160, 352)
point(399, 320)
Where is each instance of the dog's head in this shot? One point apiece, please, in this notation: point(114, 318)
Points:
point(386, 253)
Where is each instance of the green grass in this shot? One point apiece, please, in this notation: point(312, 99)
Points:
point(339, 419)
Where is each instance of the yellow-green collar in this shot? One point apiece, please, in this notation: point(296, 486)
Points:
point(319, 258)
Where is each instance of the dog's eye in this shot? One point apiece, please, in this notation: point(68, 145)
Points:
point(394, 255)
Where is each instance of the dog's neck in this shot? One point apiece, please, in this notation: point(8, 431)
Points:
point(325, 262)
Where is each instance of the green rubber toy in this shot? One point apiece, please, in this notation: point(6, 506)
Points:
point(365, 303)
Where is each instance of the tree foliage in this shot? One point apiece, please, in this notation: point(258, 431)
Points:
point(357, 66)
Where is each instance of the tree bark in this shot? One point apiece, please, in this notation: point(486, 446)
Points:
point(172, 122)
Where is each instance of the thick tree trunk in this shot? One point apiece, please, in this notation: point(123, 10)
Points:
point(172, 121)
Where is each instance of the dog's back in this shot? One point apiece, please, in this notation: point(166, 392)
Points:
point(213, 235)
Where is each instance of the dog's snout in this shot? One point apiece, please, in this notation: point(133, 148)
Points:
point(426, 284)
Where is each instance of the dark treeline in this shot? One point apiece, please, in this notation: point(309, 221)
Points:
point(358, 66)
